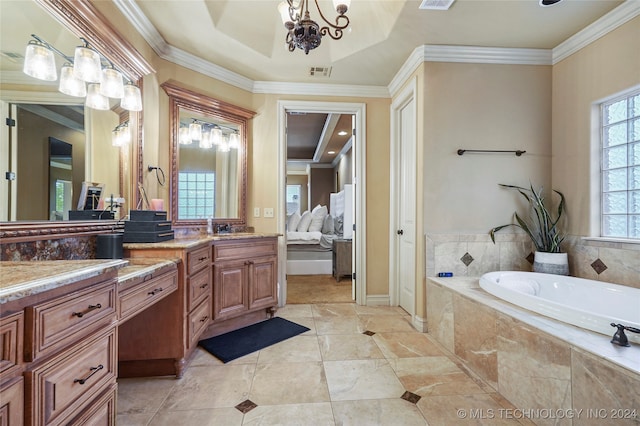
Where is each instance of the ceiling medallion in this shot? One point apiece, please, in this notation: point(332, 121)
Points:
point(305, 33)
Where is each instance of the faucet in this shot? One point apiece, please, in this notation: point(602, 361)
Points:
point(619, 338)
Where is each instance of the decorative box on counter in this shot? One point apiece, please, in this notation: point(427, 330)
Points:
point(147, 226)
point(147, 215)
point(90, 215)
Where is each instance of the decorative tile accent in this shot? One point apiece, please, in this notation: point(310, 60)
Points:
point(467, 259)
point(246, 406)
point(411, 397)
point(531, 257)
point(599, 266)
point(368, 332)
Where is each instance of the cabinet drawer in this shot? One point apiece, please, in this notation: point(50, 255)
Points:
point(66, 319)
point(146, 294)
point(198, 259)
point(199, 319)
point(101, 412)
point(11, 344)
point(230, 250)
point(199, 287)
point(65, 384)
point(12, 402)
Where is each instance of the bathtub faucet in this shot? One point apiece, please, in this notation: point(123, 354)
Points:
point(619, 338)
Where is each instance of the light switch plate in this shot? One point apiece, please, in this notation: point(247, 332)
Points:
point(256, 212)
point(268, 212)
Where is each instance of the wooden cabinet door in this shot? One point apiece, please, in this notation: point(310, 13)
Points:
point(230, 290)
point(11, 402)
point(263, 282)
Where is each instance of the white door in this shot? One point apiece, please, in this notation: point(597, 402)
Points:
point(406, 238)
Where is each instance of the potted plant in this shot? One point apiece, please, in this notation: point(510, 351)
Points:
point(543, 229)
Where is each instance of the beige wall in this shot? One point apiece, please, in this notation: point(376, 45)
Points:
point(322, 185)
point(607, 66)
point(482, 106)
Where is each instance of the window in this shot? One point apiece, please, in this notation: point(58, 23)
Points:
point(620, 167)
point(196, 195)
point(293, 198)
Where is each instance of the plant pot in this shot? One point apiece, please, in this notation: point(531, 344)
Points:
point(551, 263)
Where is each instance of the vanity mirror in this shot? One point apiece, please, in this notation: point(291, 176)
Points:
point(208, 159)
point(62, 23)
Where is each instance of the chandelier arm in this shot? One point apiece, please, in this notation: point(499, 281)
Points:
point(337, 25)
point(52, 48)
point(296, 13)
point(327, 31)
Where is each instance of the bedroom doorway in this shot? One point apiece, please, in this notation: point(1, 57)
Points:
point(317, 187)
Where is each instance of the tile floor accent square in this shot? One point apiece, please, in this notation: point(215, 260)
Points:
point(245, 406)
point(411, 397)
point(599, 266)
point(368, 333)
point(467, 259)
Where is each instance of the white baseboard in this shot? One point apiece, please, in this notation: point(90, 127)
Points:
point(378, 300)
point(419, 323)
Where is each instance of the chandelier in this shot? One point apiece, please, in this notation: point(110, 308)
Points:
point(82, 75)
point(305, 33)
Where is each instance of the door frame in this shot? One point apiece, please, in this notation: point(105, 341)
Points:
point(359, 246)
point(408, 94)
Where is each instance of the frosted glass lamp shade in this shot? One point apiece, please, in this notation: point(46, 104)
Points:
point(95, 99)
point(224, 146)
point(116, 138)
point(132, 98)
point(340, 5)
point(195, 131)
point(184, 137)
point(205, 142)
point(234, 140)
point(111, 84)
point(39, 62)
point(283, 9)
point(86, 65)
point(69, 85)
point(216, 136)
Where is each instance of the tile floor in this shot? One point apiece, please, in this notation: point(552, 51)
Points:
point(334, 374)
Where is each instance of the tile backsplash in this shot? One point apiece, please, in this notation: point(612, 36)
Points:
point(475, 254)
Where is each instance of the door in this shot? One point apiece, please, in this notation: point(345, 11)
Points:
point(405, 116)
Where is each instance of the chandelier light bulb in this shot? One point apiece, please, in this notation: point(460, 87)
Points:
point(39, 62)
point(86, 65)
point(205, 142)
point(69, 85)
point(132, 98)
point(111, 84)
point(95, 99)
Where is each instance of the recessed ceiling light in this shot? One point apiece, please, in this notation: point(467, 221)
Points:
point(342, 133)
point(331, 152)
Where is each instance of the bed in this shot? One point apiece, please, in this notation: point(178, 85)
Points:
point(310, 235)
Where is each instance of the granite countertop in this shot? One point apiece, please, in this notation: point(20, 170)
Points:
point(26, 278)
point(21, 279)
point(142, 266)
point(194, 241)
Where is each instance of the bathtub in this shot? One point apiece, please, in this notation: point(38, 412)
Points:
point(592, 305)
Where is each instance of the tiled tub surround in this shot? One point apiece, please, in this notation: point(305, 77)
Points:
point(472, 255)
point(535, 362)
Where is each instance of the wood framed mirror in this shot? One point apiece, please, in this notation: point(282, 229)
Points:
point(82, 19)
point(208, 149)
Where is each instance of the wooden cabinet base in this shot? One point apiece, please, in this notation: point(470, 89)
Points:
point(152, 367)
point(220, 327)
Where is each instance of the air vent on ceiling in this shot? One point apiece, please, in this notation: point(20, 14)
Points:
point(320, 71)
point(12, 56)
point(436, 4)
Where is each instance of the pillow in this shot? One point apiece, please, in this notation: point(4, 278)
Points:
point(327, 225)
point(339, 224)
point(294, 220)
point(316, 223)
point(305, 221)
point(319, 210)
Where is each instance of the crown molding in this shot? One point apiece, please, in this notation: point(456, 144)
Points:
point(283, 88)
point(467, 54)
point(609, 22)
point(44, 98)
point(426, 53)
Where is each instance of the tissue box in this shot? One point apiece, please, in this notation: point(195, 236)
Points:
point(90, 215)
point(147, 237)
point(147, 226)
